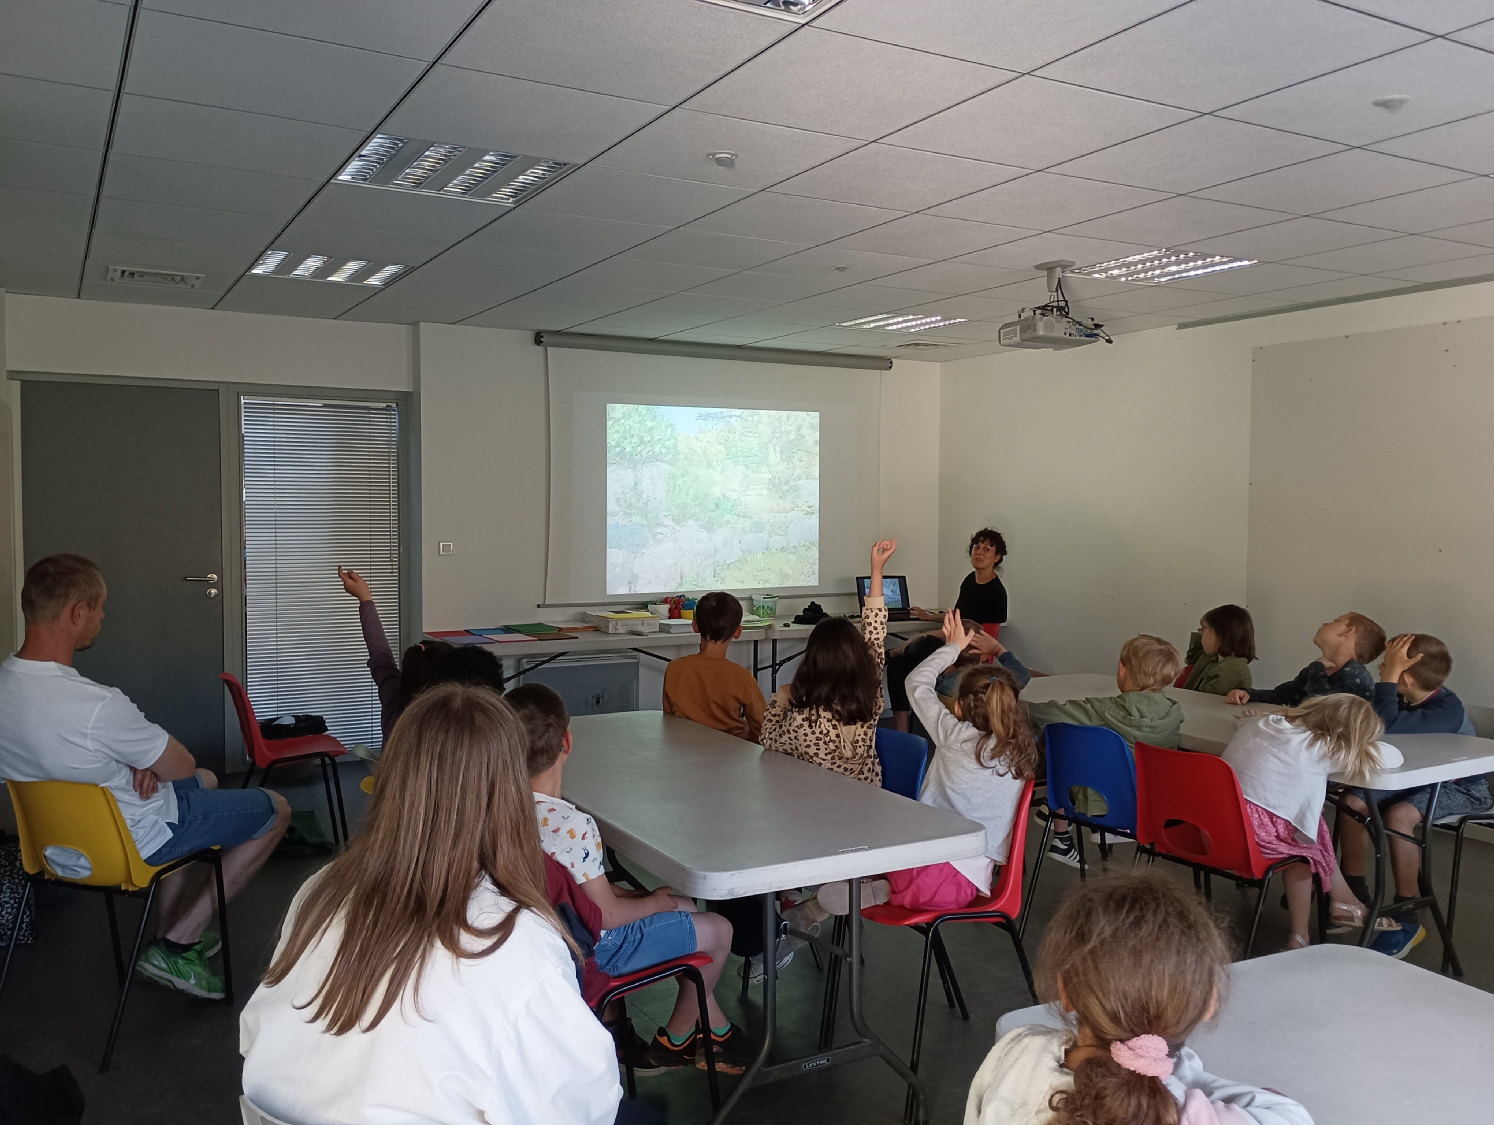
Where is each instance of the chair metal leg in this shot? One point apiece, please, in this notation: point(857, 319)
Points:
point(946, 970)
point(1037, 869)
point(321, 762)
point(119, 969)
point(342, 814)
point(940, 964)
point(124, 989)
point(217, 862)
point(1208, 887)
point(1078, 832)
point(923, 998)
point(830, 1007)
point(1021, 957)
point(1457, 871)
point(15, 932)
point(694, 977)
point(248, 774)
point(1255, 922)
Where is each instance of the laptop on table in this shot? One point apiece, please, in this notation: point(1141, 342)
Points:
point(894, 589)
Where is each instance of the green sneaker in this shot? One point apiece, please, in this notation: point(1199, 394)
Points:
point(210, 942)
point(185, 971)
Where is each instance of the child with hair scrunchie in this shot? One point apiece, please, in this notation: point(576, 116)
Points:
point(1136, 963)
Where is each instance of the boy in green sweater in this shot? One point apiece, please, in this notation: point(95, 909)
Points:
point(1140, 713)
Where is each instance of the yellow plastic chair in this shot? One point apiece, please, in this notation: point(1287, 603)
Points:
point(86, 818)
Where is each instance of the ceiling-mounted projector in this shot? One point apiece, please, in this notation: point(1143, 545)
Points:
point(1050, 325)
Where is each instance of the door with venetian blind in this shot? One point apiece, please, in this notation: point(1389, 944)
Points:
point(321, 490)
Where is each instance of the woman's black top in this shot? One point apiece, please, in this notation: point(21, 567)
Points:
point(985, 605)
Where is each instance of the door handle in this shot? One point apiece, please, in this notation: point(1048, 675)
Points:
point(204, 578)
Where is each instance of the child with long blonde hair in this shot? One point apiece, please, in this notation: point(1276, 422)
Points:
point(985, 752)
point(1136, 963)
point(1283, 762)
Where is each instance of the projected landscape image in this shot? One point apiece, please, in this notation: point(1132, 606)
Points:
point(702, 498)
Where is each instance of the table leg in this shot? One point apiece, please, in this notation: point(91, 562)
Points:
point(774, 658)
point(770, 1006)
point(1429, 893)
point(1381, 846)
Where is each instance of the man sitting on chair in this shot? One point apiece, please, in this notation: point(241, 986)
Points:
point(55, 725)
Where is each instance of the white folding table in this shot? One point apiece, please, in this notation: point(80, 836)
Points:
point(1357, 1037)
point(719, 818)
point(1430, 759)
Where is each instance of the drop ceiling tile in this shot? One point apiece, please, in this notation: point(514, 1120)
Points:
point(998, 126)
point(608, 193)
point(419, 213)
point(1436, 16)
point(1213, 53)
point(954, 277)
point(814, 313)
point(304, 236)
point(1230, 306)
point(1177, 220)
point(902, 179)
point(443, 297)
point(180, 184)
point(229, 138)
point(932, 237)
point(220, 264)
point(699, 304)
point(26, 243)
point(527, 316)
point(48, 167)
point(575, 234)
point(1481, 266)
point(284, 296)
point(969, 308)
point(640, 322)
point(635, 273)
point(1153, 298)
point(1290, 239)
point(195, 60)
point(1028, 34)
point(650, 50)
point(74, 41)
point(1044, 201)
point(1480, 234)
point(849, 266)
point(600, 299)
point(1467, 201)
point(1337, 290)
point(1331, 182)
point(1196, 154)
point(51, 278)
point(757, 327)
point(1251, 280)
point(718, 251)
point(821, 338)
point(793, 218)
point(1444, 78)
point(1392, 254)
point(189, 224)
point(395, 27)
point(1082, 291)
point(51, 208)
point(679, 144)
point(1025, 253)
point(871, 298)
point(769, 286)
point(53, 113)
point(147, 295)
point(838, 84)
point(1142, 322)
point(1466, 144)
point(1480, 35)
point(469, 107)
point(535, 267)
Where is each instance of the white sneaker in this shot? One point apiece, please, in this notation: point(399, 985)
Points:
point(752, 967)
point(1063, 849)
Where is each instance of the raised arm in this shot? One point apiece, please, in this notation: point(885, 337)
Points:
point(381, 663)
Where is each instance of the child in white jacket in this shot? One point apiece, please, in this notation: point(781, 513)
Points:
point(985, 754)
point(1138, 963)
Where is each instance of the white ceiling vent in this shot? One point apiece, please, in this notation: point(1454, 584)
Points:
point(172, 279)
point(451, 171)
point(796, 10)
point(920, 345)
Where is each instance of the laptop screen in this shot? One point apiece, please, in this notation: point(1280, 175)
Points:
point(894, 589)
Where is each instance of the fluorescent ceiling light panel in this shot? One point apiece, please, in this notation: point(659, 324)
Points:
point(456, 171)
point(1157, 267)
point(901, 322)
point(796, 10)
point(312, 264)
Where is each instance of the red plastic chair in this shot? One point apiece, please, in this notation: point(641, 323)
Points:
point(689, 967)
point(267, 753)
point(1182, 680)
point(1001, 907)
point(1189, 809)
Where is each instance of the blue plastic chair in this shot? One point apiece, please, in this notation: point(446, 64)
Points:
point(1094, 758)
point(904, 758)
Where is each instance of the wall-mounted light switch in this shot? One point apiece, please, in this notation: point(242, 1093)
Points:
point(444, 548)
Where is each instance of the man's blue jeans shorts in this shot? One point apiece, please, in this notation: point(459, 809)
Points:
point(208, 817)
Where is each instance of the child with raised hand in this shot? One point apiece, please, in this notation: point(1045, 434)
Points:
point(1283, 763)
point(1347, 643)
point(1137, 964)
point(986, 753)
point(828, 714)
point(1219, 654)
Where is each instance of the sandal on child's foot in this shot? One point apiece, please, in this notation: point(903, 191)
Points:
point(1347, 917)
point(1296, 941)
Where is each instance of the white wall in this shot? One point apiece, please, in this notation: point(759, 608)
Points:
point(1121, 475)
point(910, 474)
point(1372, 473)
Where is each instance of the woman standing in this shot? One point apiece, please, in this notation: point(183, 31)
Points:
point(422, 975)
point(982, 601)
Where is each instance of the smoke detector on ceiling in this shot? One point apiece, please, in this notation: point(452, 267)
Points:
point(171, 279)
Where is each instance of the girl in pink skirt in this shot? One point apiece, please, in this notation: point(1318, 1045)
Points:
point(1283, 763)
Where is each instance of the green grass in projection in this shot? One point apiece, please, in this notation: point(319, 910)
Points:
point(700, 498)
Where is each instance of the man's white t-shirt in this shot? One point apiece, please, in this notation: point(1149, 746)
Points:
point(56, 725)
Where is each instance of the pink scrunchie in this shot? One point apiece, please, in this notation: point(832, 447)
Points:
point(1145, 1054)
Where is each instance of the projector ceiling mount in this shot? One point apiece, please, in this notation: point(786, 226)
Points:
point(1050, 325)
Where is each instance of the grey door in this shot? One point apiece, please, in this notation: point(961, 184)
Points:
point(129, 477)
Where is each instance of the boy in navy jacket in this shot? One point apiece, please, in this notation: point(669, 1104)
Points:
point(1347, 643)
point(1410, 699)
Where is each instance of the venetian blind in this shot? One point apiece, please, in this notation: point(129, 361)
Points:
point(321, 489)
